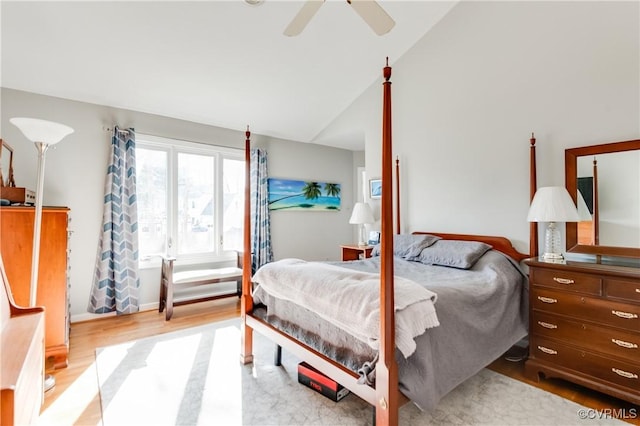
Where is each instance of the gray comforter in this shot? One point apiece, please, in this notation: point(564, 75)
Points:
point(482, 313)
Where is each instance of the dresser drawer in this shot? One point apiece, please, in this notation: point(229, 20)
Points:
point(593, 337)
point(614, 371)
point(625, 290)
point(592, 309)
point(567, 280)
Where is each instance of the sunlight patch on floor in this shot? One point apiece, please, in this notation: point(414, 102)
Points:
point(223, 390)
point(190, 377)
point(174, 358)
point(70, 405)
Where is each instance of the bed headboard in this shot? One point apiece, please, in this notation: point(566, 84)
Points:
point(501, 244)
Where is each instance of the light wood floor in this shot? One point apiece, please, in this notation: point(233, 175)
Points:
point(75, 398)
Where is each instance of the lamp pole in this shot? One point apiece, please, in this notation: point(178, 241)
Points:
point(37, 223)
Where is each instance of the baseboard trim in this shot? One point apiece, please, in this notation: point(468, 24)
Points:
point(90, 317)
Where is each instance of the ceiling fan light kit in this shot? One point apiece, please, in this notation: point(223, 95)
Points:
point(369, 10)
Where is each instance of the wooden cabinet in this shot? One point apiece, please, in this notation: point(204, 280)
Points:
point(353, 252)
point(21, 372)
point(16, 244)
point(584, 325)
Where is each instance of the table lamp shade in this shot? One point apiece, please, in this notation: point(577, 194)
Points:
point(44, 131)
point(361, 215)
point(552, 204)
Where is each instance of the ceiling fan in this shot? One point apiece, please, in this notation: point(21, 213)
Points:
point(369, 10)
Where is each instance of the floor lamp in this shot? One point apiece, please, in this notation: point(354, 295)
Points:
point(43, 134)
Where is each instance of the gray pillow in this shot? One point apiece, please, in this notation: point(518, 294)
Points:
point(408, 246)
point(453, 253)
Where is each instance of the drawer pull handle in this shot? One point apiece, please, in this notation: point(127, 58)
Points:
point(547, 350)
point(547, 299)
point(637, 290)
point(624, 373)
point(624, 344)
point(547, 325)
point(625, 315)
point(563, 280)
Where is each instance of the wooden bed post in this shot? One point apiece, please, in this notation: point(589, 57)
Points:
point(246, 301)
point(533, 187)
point(387, 396)
point(595, 207)
point(397, 195)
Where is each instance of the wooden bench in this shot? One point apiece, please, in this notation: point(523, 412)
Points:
point(21, 359)
point(172, 280)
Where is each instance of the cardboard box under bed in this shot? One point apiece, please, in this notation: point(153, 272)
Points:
point(312, 378)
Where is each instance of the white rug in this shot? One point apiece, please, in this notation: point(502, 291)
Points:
point(194, 377)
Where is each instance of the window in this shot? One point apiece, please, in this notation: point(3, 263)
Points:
point(190, 199)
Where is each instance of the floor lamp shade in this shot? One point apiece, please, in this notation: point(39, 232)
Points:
point(552, 204)
point(43, 133)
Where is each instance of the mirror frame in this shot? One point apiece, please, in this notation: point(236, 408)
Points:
point(570, 178)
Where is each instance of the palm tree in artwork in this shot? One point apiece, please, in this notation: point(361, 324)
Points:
point(311, 190)
point(332, 189)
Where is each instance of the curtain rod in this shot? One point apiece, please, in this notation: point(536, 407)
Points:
point(111, 129)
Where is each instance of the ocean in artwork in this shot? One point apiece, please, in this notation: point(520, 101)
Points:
point(287, 194)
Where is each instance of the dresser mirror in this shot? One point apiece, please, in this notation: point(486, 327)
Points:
point(604, 182)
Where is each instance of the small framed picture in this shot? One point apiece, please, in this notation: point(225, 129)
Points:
point(375, 188)
point(374, 238)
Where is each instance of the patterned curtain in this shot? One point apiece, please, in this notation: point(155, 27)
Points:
point(260, 222)
point(116, 281)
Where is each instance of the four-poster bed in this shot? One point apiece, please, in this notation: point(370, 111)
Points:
point(506, 316)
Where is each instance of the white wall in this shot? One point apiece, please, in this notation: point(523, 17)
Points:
point(76, 168)
point(468, 95)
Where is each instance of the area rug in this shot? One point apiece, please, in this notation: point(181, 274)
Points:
point(194, 377)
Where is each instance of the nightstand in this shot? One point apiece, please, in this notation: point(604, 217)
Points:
point(353, 252)
point(584, 325)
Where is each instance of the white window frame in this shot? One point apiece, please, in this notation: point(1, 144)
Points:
point(173, 147)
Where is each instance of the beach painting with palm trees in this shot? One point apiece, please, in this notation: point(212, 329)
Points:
point(287, 194)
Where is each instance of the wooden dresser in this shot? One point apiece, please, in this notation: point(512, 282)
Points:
point(16, 243)
point(584, 325)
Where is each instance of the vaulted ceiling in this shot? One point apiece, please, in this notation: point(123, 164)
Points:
point(222, 63)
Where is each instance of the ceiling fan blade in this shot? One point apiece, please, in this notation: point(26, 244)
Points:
point(303, 17)
point(374, 15)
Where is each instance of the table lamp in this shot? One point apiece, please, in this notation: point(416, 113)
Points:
point(361, 216)
point(552, 204)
